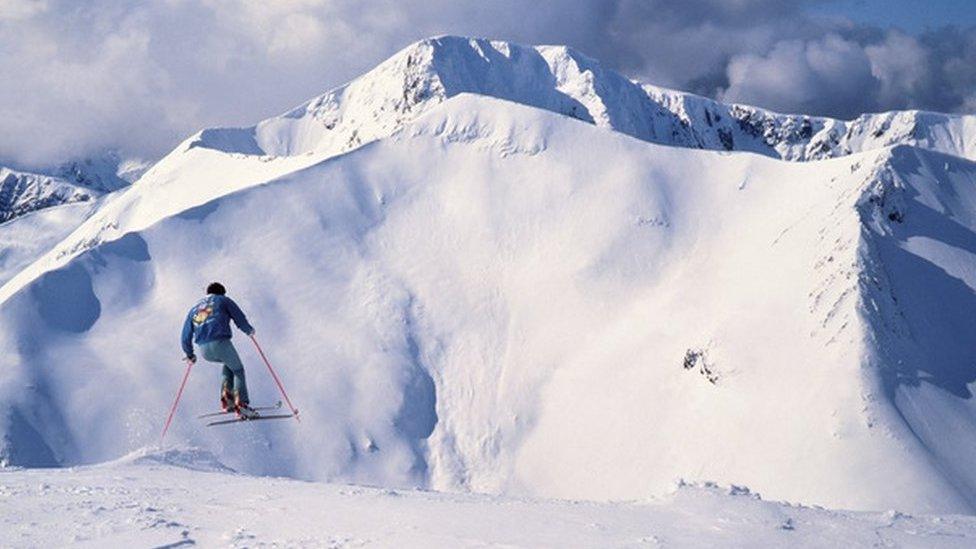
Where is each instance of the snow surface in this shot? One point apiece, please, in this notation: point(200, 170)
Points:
point(24, 239)
point(505, 292)
point(185, 497)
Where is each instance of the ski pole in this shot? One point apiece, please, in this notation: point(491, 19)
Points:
point(179, 393)
point(294, 410)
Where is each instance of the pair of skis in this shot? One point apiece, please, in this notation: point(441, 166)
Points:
point(293, 412)
point(277, 406)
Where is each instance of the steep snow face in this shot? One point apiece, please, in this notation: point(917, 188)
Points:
point(561, 80)
point(498, 298)
point(917, 284)
point(189, 176)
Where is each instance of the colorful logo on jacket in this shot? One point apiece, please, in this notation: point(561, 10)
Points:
point(203, 312)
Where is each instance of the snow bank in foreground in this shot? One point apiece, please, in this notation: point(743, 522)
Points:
point(141, 505)
point(187, 457)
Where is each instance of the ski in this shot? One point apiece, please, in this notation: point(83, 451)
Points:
point(240, 420)
point(258, 409)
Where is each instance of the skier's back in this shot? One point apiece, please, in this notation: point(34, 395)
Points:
point(208, 324)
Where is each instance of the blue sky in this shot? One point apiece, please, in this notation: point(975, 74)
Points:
point(910, 15)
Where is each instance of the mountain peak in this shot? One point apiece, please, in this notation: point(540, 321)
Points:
point(563, 80)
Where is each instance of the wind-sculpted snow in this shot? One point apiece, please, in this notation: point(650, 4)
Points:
point(918, 255)
point(498, 298)
point(194, 459)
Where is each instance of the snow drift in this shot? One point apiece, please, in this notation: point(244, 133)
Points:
point(481, 295)
point(178, 498)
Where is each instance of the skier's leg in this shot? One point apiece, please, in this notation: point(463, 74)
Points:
point(213, 351)
point(227, 389)
point(233, 362)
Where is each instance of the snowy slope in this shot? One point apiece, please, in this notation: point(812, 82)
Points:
point(428, 72)
point(189, 176)
point(502, 299)
point(917, 263)
point(24, 239)
point(185, 498)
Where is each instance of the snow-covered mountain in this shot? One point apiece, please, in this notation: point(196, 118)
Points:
point(561, 80)
point(473, 277)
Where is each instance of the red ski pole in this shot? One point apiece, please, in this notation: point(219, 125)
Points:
point(172, 410)
point(294, 410)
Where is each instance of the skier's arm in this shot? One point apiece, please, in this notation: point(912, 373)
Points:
point(237, 315)
point(187, 338)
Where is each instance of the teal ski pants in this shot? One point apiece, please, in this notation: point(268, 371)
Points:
point(222, 351)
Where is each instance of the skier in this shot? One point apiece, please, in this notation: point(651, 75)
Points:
point(208, 323)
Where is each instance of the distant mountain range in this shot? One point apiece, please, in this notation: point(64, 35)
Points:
point(22, 192)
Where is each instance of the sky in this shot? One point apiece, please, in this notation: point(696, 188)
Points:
point(83, 76)
point(910, 15)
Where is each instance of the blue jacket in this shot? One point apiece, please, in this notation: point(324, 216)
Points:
point(209, 320)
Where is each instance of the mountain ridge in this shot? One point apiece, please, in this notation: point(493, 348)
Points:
point(562, 80)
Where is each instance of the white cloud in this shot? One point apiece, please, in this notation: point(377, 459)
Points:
point(900, 63)
point(21, 9)
point(814, 75)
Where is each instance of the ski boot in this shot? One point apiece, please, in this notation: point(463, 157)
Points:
point(244, 411)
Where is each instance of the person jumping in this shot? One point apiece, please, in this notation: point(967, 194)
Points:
point(208, 324)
